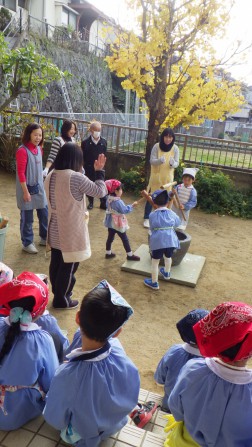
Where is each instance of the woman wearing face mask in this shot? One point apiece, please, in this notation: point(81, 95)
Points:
point(93, 146)
point(67, 132)
point(163, 160)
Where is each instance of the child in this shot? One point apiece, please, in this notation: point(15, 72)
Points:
point(91, 395)
point(30, 191)
point(187, 196)
point(115, 219)
point(27, 354)
point(212, 398)
point(176, 357)
point(163, 238)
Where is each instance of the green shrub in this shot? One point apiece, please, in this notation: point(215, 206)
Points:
point(134, 179)
point(217, 194)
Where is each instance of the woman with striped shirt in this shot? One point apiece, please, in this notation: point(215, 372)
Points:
point(66, 188)
point(68, 130)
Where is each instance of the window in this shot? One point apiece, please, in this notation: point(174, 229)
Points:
point(21, 3)
point(10, 4)
point(68, 18)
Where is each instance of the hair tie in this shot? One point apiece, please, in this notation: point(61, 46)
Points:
point(19, 314)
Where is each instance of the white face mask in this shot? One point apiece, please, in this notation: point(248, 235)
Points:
point(96, 134)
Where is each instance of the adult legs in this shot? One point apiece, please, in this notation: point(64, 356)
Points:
point(26, 229)
point(103, 203)
point(147, 210)
point(43, 221)
point(90, 202)
point(62, 279)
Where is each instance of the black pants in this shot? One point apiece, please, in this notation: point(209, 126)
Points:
point(123, 237)
point(103, 201)
point(62, 278)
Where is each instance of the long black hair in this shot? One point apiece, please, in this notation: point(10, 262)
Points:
point(13, 332)
point(166, 147)
point(66, 126)
point(70, 156)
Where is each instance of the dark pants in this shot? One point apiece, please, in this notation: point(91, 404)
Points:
point(122, 236)
point(62, 278)
point(26, 225)
point(147, 210)
point(103, 201)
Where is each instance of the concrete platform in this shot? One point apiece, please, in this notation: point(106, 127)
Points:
point(186, 273)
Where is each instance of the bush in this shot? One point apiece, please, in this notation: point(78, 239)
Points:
point(217, 194)
point(134, 179)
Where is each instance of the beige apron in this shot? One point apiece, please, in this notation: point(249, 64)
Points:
point(163, 173)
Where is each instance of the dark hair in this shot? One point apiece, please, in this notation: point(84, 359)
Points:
point(232, 351)
point(117, 189)
point(162, 199)
point(99, 317)
point(188, 175)
point(166, 147)
point(13, 332)
point(27, 133)
point(66, 126)
point(70, 156)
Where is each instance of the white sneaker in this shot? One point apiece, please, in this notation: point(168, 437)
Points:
point(146, 223)
point(30, 249)
point(42, 242)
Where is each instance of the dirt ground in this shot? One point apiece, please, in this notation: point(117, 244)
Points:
point(225, 242)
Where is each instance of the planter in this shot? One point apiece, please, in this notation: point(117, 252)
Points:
point(178, 255)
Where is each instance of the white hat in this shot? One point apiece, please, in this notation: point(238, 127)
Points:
point(190, 171)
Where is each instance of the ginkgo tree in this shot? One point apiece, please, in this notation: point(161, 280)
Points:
point(24, 70)
point(171, 65)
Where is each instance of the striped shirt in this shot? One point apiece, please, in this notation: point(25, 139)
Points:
point(57, 143)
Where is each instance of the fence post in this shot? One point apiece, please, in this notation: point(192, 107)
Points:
point(184, 148)
point(118, 140)
point(20, 21)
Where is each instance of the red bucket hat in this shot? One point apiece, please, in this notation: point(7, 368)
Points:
point(225, 326)
point(112, 185)
point(25, 284)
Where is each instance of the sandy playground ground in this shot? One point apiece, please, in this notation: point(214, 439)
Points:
point(226, 243)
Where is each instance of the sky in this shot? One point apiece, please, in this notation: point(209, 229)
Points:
point(239, 28)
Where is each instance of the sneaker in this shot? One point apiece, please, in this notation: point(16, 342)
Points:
point(110, 255)
point(90, 206)
point(166, 275)
point(30, 249)
point(143, 414)
point(146, 223)
point(42, 242)
point(133, 258)
point(152, 285)
point(71, 304)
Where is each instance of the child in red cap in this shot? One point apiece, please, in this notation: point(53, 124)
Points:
point(115, 219)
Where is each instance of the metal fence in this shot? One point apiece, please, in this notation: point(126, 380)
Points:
point(212, 152)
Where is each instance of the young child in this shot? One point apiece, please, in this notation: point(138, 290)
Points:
point(176, 357)
point(212, 398)
point(163, 238)
point(115, 220)
point(187, 196)
point(91, 395)
point(28, 358)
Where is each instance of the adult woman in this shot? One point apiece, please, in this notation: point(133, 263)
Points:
point(212, 398)
point(163, 160)
point(29, 186)
point(68, 236)
point(68, 130)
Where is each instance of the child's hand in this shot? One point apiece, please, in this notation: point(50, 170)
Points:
point(134, 204)
point(182, 207)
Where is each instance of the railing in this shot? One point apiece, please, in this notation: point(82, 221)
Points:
point(212, 152)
